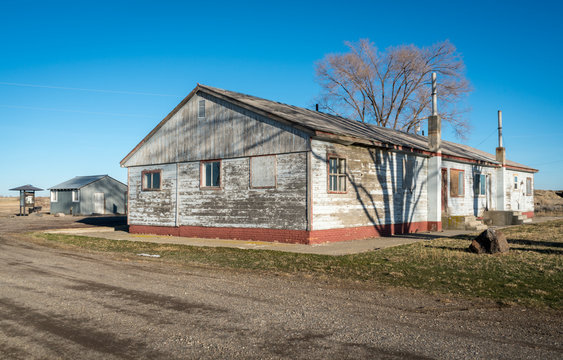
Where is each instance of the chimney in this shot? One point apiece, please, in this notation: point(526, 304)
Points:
point(501, 151)
point(434, 121)
point(317, 107)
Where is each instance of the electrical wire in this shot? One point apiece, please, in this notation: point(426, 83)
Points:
point(74, 111)
point(85, 89)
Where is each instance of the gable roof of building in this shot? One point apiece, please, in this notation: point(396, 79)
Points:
point(78, 182)
point(336, 128)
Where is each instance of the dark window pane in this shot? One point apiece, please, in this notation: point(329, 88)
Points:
point(156, 180)
point(216, 173)
point(208, 174)
point(147, 180)
point(201, 112)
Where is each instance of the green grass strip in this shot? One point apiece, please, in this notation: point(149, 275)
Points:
point(530, 274)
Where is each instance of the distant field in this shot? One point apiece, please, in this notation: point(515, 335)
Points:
point(11, 205)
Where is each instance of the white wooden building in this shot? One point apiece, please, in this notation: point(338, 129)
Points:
point(228, 165)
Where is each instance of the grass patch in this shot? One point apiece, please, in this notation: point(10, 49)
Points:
point(530, 274)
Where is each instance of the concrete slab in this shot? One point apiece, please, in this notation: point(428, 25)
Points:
point(335, 248)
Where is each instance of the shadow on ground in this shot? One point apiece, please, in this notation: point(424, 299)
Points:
point(106, 221)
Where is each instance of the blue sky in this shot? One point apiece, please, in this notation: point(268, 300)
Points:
point(144, 57)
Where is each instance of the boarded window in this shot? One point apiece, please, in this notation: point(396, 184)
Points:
point(75, 196)
point(336, 174)
point(457, 183)
point(151, 180)
point(54, 196)
point(480, 184)
point(263, 171)
point(211, 174)
point(201, 109)
point(409, 172)
point(529, 186)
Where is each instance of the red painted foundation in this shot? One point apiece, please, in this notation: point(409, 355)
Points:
point(528, 214)
point(287, 236)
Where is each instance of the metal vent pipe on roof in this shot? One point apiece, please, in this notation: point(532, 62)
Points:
point(434, 96)
point(434, 122)
point(499, 128)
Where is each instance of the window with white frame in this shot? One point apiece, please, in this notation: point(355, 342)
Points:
point(480, 184)
point(54, 196)
point(336, 174)
point(201, 109)
point(75, 196)
point(210, 173)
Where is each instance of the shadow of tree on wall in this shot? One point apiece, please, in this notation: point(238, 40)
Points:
point(395, 212)
point(228, 130)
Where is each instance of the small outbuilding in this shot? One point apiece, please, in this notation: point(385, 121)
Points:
point(87, 195)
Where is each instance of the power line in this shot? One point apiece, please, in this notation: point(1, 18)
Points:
point(487, 138)
point(85, 89)
point(73, 111)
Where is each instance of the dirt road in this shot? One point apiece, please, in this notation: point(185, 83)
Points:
point(63, 304)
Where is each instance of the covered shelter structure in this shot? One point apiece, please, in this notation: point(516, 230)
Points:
point(27, 198)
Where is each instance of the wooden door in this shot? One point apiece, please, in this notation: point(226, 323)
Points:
point(99, 203)
point(444, 191)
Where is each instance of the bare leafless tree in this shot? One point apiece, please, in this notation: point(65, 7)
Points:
point(391, 88)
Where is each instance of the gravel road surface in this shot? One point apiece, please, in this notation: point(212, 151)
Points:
point(67, 304)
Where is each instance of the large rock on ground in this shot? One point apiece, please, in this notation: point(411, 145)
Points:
point(489, 242)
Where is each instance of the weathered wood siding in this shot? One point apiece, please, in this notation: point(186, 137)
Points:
point(157, 208)
point(516, 199)
point(375, 192)
point(114, 196)
point(236, 204)
point(471, 203)
point(64, 203)
point(227, 131)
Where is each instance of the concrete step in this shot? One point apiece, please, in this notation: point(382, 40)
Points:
point(527, 221)
point(477, 228)
point(475, 225)
point(518, 220)
point(469, 219)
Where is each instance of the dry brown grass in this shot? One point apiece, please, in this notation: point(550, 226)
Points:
point(548, 203)
point(11, 205)
point(531, 273)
